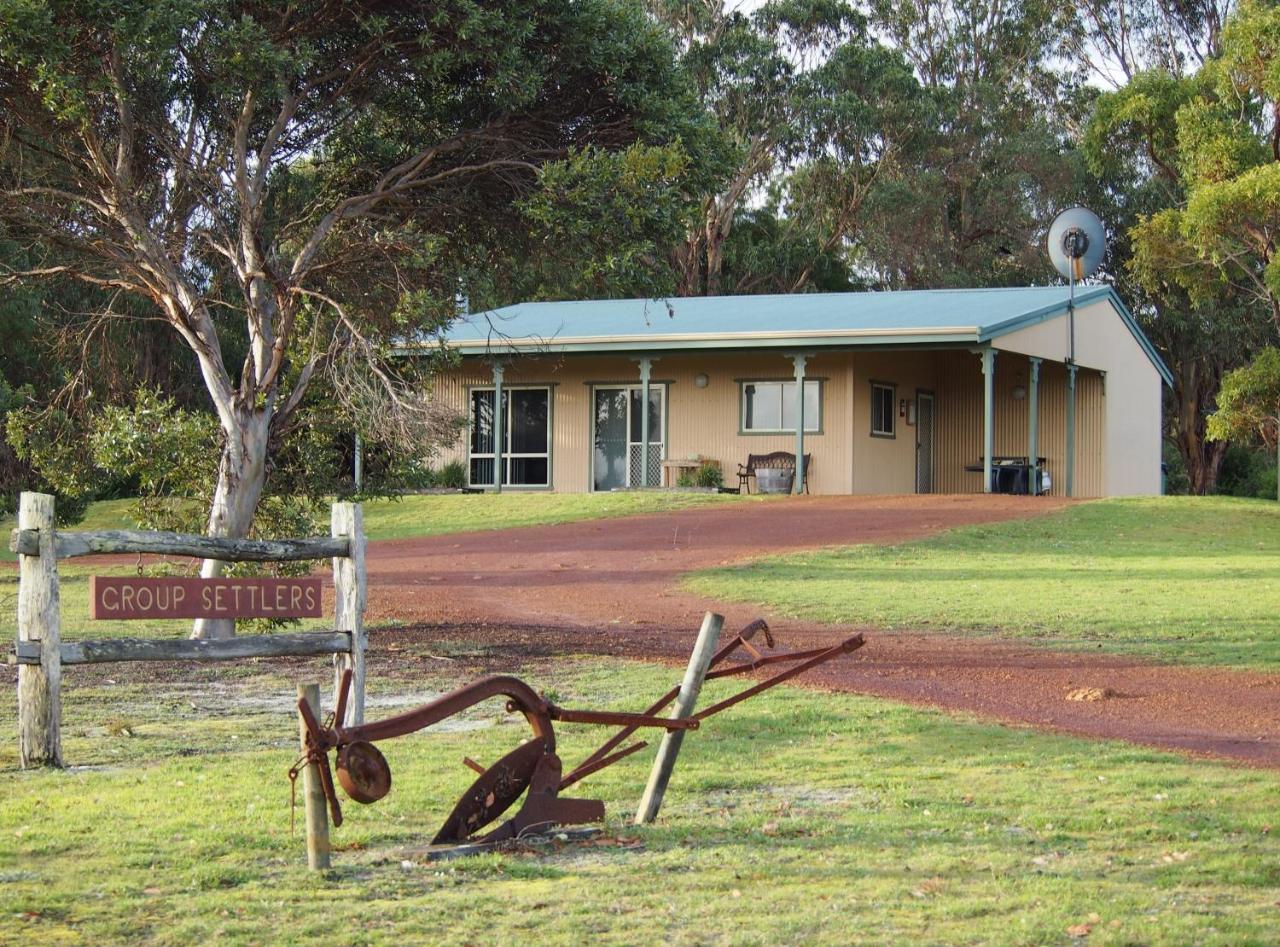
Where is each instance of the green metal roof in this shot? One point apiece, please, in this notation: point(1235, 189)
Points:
point(806, 320)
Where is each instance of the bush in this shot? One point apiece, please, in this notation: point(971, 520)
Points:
point(707, 475)
point(1248, 472)
point(452, 475)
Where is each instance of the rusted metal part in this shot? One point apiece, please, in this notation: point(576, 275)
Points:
point(532, 770)
point(844, 647)
point(363, 772)
point(586, 769)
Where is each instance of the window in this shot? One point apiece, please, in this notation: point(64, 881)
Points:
point(771, 406)
point(884, 412)
point(526, 455)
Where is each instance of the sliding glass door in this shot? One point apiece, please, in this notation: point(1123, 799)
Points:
point(619, 437)
point(526, 455)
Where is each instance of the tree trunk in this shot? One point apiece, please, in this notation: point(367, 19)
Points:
point(1203, 458)
point(241, 478)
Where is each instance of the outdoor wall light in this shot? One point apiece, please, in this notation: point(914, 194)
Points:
point(1019, 392)
point(701, 380)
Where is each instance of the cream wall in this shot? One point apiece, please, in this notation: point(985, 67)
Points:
point(1130, 391)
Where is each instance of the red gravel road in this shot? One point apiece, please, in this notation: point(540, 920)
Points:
point(610, 587)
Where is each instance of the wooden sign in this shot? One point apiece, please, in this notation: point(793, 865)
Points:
point(123, 597)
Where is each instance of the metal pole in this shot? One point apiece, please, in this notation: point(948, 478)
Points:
point(358, 464)
point(646, 368)
point(801, 473)
point(499, 426)
point(988, 415)
point(1033, 428)
point(1071, 430)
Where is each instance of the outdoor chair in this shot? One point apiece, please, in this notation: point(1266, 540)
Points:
point(778, 460)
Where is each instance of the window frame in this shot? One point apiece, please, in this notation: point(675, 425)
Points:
point(507, 456)
point(744, 431)
point(892, 388)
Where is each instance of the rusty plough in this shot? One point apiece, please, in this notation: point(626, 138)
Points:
point(532, 769)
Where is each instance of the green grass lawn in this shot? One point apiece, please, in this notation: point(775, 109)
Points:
point(799, 817)
point(1174, 578)
point(433, 514)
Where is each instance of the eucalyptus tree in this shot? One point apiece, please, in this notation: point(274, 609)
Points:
point(972, 205)
point(319, 174)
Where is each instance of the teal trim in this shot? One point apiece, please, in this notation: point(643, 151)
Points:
point(534, 348)
point(821, 382)
point(893, 399)
point(549, 387)
point(500, 427)
point(800, 361)
point(591, 424)
point(988, 415)
point(991, 332)
point(646, 369)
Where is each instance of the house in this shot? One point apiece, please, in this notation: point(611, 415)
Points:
point(888, 392)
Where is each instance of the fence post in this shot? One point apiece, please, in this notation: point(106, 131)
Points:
point(349, 600)
point(313, 800)
point(39, 619)
point(703, 650)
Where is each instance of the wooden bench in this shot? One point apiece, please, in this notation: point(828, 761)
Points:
point(778, 460)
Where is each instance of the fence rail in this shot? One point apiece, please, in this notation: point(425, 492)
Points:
point(66, 545)
point(107, 650)
point(40, 652)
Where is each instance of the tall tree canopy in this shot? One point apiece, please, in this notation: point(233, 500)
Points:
point(321, 173)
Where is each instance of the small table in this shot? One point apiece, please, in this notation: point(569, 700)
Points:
point(673, 469)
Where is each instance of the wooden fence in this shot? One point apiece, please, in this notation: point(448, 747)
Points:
point(40, 652)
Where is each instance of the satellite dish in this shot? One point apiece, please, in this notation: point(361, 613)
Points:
point(1077, 243)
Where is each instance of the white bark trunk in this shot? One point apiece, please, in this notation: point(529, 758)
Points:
point(241, 478)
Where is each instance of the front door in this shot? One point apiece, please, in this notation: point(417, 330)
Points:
point(924, 442)
point(618, 437)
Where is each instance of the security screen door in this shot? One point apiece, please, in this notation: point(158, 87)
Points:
point(619, 440)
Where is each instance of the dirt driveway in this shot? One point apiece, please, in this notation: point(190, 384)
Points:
point(610, 587)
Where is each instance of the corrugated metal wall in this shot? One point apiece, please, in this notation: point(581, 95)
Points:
point(960, 421)
point(705, 421)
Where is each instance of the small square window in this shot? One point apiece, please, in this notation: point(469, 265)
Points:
point(883, 409)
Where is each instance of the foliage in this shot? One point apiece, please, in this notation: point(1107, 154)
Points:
point(452, 475)
point(1248, 472)
point(707, 475)
point(1249, 403)
point(1048, 581)
point(296, 188)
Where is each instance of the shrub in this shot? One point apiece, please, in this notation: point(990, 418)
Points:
point(452, 474)
point(709, 475)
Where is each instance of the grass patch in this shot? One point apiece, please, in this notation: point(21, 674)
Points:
point(800, 817)
point(434, 514)
point(1175, 578)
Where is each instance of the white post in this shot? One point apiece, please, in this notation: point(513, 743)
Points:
point(499, 426)
point(703, 651)
point(349, 587)
point(39, 619)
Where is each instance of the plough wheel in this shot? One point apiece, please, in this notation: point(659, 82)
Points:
point(363, 772)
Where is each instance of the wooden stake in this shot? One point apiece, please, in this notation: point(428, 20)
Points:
point(665, 762)
point(349, 586)
point(313, 801)
point(39, 620)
